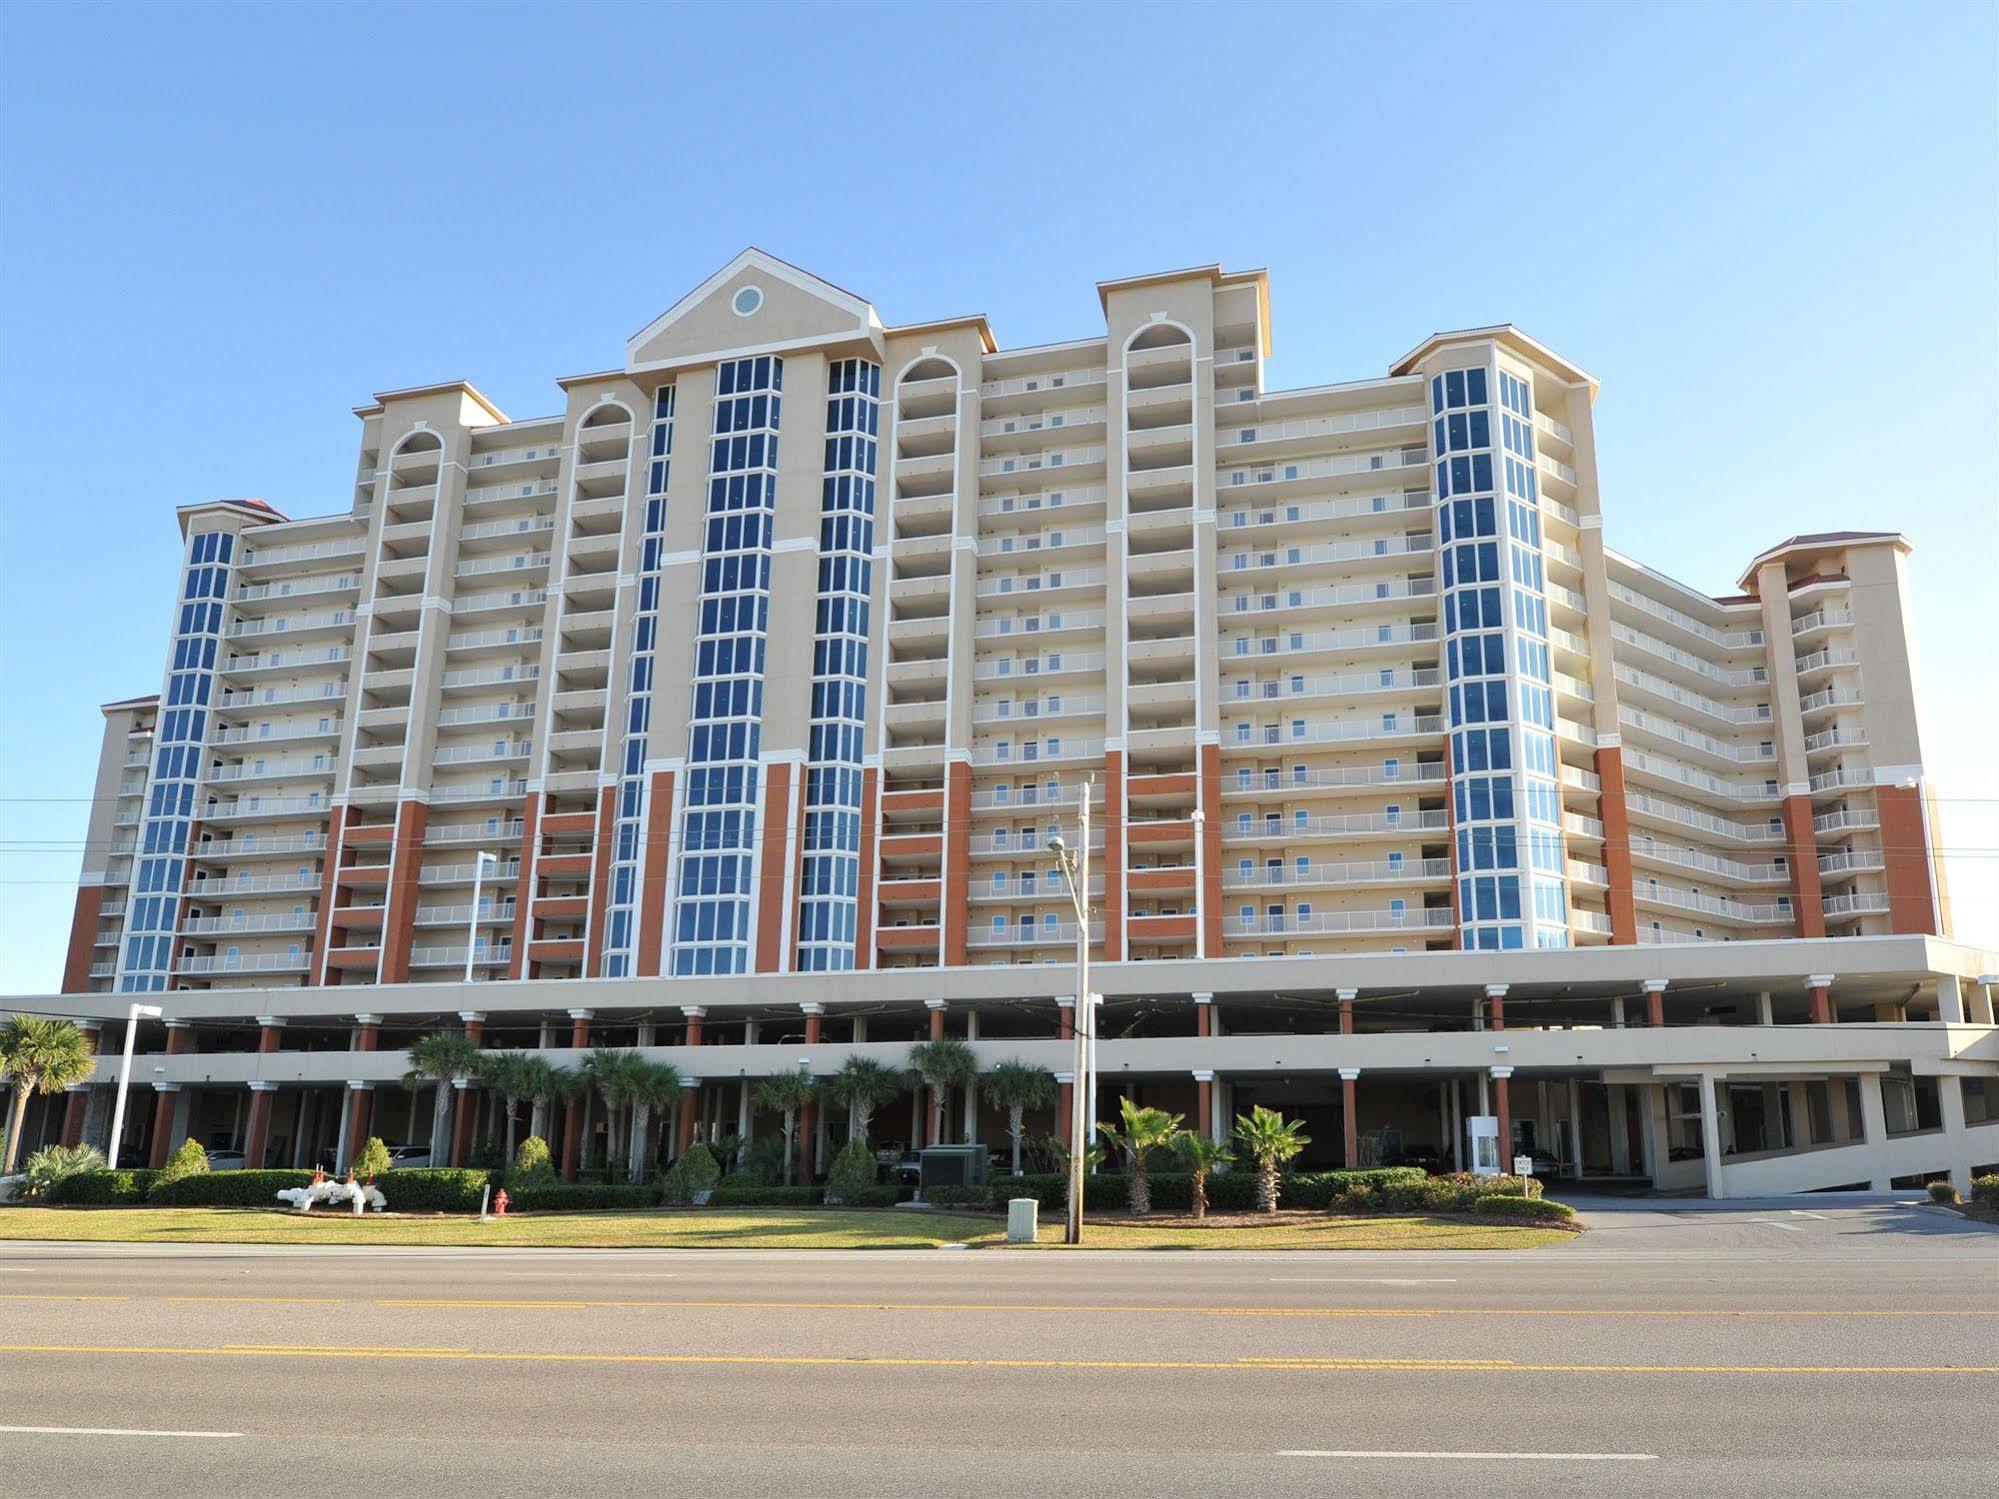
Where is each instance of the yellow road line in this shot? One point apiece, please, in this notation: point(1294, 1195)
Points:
point(30, 1296)
point(1150, 1311)
point(710, 1360)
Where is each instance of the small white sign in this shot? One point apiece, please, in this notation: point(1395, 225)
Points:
point(1523, 1165)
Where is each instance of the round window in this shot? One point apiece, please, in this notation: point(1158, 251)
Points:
point(747, 301)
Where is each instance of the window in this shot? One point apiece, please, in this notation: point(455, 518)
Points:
point(746, 301)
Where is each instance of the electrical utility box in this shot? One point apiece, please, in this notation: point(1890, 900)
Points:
point(1483, 1131)
point(951, 1166)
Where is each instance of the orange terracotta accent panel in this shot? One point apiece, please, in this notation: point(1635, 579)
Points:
point(1179, 830)
point(1801, 854)
point(1153, 880)
point(923, 799)
point(531, 831)
point(1173, 783)
point(570, 823)
point(912, 892)
point(349, 958)
point(566, 950)
point(771, 864)
point(375, 835)
point(570, 866)
point(561, 907)
point(1906, 843)
point(653, 894)
point(348, 918)
point(907, 939)
point(1616, 846)
point(600, 881)
point(864, 916)
point(412, 818)
point(957, 862)
point(364, 877)
point(1113, 898)
point(330, 894)
point(1161, 928)
point(1211, 849)
point(82, 939)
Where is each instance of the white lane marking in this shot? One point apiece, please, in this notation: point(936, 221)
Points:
point(105, 1431)
point(1789, 1228)
point(1534, 1457)
point(1361, 1280)
point(1801, 1213)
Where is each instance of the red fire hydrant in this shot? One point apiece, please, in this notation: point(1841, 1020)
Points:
point(500, 1203)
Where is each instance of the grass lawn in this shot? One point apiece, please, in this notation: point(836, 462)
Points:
point(749, 1228)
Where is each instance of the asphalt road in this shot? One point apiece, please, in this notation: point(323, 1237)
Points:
point(1762, 1349)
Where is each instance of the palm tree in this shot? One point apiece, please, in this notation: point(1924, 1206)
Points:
point(863, 1085)
point(38, 1055)
point(544, 1084)
point(655, 1085)
point(511, 1074)
point(441, 1058)
point(1269, 1139)
point(943, 1065)
point(1201, 1156)
point(1018, 1086)
point(785, 1093)
point(611, 1074)
point(1145, 1130)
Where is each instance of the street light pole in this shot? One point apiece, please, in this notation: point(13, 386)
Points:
point(125, 1075)
point(479, 862)
point(1075, 865)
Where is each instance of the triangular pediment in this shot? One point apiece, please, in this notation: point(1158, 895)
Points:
point(756, 301)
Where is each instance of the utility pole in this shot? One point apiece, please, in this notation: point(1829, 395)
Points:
point(1075, 865)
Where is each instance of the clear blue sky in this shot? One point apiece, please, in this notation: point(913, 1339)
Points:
point(1770, 232)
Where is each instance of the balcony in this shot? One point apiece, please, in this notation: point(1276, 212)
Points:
point(1307, 875)
point(1337, 923)
point(251, 963)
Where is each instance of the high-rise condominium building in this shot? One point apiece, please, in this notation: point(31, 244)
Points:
point(785, 647)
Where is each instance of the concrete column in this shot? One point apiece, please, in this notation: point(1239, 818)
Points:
point(1204, 1107)
point(465, 1115)
point(689, 1099)
point(808, 1116)
point(1987, 1012)
point(971, 1136)
point(166, 1095)
point(1347, 997)
point(936, 1009)
point(258, 1133)
point(1066, 1018)
point(1495, 999)
point(76, 1101)
point(1950, 1108)
point(1617, 1013)
point(346, 1130)
point(354, 1121)
point(271, 1034)
point(1655, 1002)
point(1575, 1128)
point(1503, 1107)
point(1066, 1081)
point(1764, 1015)
point(1874, 1128)
point(1950, 999)
point(1620, 1129)
point(1204, 1014)
point(572, 1124)
point(1823, 1012)
point(1711, 1136)
point(1349, 1121)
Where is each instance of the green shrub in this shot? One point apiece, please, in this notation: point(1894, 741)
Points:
point(1511, 1205)
point(958, 1197)
point(853, 1171)
point(373, 1159)
point(874, 1197)
point(189, 1160)
point(1985, 1191)
point(695, 1172)
point(1944, 1193)
point(567, 1197)
point(55, 1163)
point(227, 1189)
point(1354, 1197)
point(103, 1188)
point(758, 1196)
point(435, 1189)
point(533, 1166)
point(1321, 1189)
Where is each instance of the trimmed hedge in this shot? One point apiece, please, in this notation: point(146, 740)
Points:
point(1507, 1205)
point(1228, 1192)
point(1944, 1193)
point(958, 1197)
point(874, 1197)
point(434, 1189)
point(726, 1196)
point(228, 1189)
point(564, 1197)
point(96, 1189)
